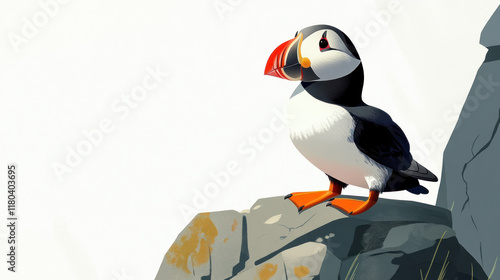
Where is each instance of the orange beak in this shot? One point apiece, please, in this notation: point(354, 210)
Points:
point(275, 63)
point(285, 60)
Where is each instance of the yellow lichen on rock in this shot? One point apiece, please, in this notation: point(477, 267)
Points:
point(235, 224)
point(301, 271)
point(267, 271)
point(195, 245)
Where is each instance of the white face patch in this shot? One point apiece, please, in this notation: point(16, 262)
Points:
point(328, 64)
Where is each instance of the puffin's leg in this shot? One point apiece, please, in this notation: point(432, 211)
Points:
point(305, 200)
point(354, 206)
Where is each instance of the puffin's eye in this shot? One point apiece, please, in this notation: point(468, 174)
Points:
point(323, 44)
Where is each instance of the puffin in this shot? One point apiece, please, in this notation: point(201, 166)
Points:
point(352, 142)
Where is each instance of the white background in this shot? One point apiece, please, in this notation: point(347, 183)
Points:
point(118, 210)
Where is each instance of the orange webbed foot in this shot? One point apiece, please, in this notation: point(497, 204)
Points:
point(306, 200)
point(354, 206)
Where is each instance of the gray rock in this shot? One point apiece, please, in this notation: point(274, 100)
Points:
point(469, 184)
point(212, 245)
point(393, 240)
point(490, 36)
point(305, 261)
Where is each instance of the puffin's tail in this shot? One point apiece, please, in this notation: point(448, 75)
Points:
point(408, 179)
point(419, 172)
point(418, 190)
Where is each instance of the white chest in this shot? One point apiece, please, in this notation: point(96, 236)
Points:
point(323, 133)
point(309, 117)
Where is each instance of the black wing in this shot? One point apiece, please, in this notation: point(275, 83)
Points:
point(380, 138)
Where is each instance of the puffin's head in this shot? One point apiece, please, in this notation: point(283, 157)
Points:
point(317, 53)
